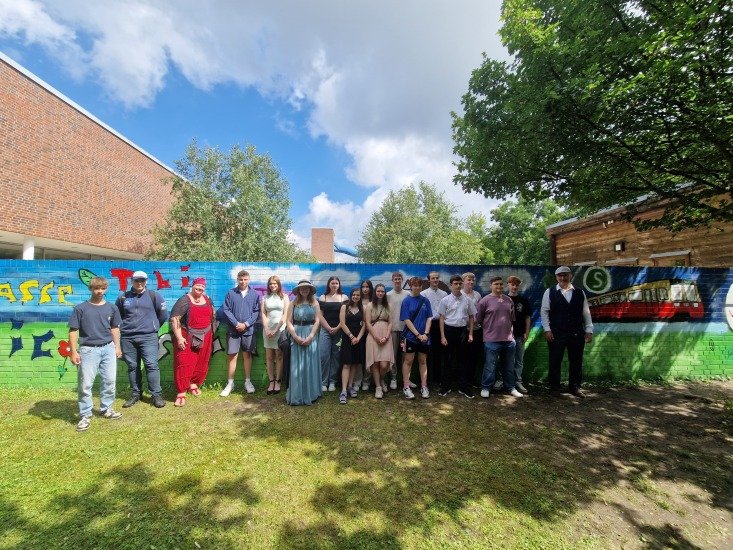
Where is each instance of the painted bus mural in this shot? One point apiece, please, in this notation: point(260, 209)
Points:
point(665, 299)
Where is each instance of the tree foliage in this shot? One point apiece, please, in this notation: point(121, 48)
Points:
point(227, 207)
point(518, 235)
point(606, 101)
point(419, 225)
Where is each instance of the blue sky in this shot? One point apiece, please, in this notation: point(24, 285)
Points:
point(350, 99)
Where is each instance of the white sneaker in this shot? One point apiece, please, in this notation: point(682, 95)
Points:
point(249, 388)
point(425, 392)
point(332, 387)
point(393, 384)
point(324, 388)
point(378, 393)
point(515, 393)
point(111, 414)
point(384, 387)
point(498, 385)
point(408, 393)
point(365, 386)
point(520, 387)
point(227, 389)
point(485, 393)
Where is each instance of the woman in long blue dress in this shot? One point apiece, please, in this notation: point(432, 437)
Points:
point(305, 363)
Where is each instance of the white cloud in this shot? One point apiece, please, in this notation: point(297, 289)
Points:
point(376, 79)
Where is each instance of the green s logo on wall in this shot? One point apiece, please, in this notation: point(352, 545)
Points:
point(597, 280)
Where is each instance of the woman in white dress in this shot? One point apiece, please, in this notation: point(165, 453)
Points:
point(273, 311)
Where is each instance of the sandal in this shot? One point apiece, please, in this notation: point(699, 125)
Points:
point(271, 387)
point(180, 400)
point(195, 391)
point(276, 387)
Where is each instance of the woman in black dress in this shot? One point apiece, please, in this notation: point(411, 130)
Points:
point(352, 350)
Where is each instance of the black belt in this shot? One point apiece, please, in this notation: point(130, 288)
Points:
point(303, 323)
point(95, 345)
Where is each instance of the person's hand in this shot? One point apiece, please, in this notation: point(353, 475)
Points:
point(118, 352)
point(333, 330)
point(444, 340)
point(524, 337)
point(241, 327)
point(354, 340)
point(588, 337)
point(181, 343)
point(548, 336)
point(470, 338)
point(76, 359)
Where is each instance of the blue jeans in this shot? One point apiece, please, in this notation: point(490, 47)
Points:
point(93, 360)
point(330, 352)
point(495, 352)
point(518, 359)
point(142, 347)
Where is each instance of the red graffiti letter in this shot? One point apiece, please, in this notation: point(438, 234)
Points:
point(122, 275)
point(162, 283)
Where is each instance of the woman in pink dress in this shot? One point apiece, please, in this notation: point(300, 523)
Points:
point(192, 326)
point(379, 352)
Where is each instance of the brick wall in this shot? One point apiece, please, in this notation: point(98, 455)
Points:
point(36, 298)
point(66, 177)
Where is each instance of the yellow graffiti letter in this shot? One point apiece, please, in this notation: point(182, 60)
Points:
point(26, 295)
point(63, 291)
point(6, 291)
point(44, 293)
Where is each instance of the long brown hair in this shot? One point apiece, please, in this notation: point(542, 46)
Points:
point(275, 279)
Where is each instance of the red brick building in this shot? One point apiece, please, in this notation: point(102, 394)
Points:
point(71, 186)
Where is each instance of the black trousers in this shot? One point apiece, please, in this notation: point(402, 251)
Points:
point(435, 357)
point(455, 363)
point(575, 344)
point(475, 357)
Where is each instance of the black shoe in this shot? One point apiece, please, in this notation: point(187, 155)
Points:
point(466, 392)
point(134, 398)
point(158, 401)
point(444, 392)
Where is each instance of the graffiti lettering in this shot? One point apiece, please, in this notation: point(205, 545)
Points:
point(38, 342)
point(162, 283)
point(122, 275)
point(44, 296)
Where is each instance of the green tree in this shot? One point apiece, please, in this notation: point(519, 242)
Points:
point(606, 101)
point(226, 207)
point(518, 235)
point(418, 225)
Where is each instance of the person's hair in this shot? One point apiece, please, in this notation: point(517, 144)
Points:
point(279, 291)
point(397, 274)
point(98, 282)
point(376, 301)
point(456, 278)
point(299, 297)
point(514, 279)
point(327, 291)
point(371, 288)
point(243, 273)
point(351, 302)
point(429, 274)
point(494, 279)
point(468, 274)
point(414, 281)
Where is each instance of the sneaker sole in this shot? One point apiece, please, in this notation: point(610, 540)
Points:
point(466, 395)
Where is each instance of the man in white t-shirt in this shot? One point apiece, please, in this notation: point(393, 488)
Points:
point(395, 297)
point(456, 312)
point(475, 351)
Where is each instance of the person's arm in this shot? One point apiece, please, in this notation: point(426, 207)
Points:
point(265, 324)
point(73, 342)
point(545, 316)
point(284, 318)
point(368, 321)
point(316, 326)
point(161, 309)
point(321, 318)
point(441, 322)
point(116, 340)
point(527, 325)
point(587, 320)
point(291, 327)
point(254, 313)
point(362, 331)
point(470, 328)
point(226, 309)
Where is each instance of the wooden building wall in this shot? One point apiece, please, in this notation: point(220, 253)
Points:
point(592, 239)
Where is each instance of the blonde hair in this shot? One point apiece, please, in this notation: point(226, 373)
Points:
point(98, 282)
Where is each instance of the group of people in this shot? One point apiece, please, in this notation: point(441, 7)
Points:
point(365, 335)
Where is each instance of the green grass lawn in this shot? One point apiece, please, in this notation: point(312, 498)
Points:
point(254, 472)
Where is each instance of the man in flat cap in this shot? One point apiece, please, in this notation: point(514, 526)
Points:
point(143, 311)
point(567, 324)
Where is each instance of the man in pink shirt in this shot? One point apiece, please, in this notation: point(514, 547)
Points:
point(495, 312)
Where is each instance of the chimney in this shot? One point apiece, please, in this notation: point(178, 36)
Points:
point(322, 244)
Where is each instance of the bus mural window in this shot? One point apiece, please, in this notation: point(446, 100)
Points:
point(635, 296)
point(663, 296)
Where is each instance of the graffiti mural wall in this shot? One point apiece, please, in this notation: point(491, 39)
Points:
point(650, 323)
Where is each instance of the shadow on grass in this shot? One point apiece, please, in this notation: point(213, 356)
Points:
point(64, 410)
point(541, 458)
point(123, 507)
